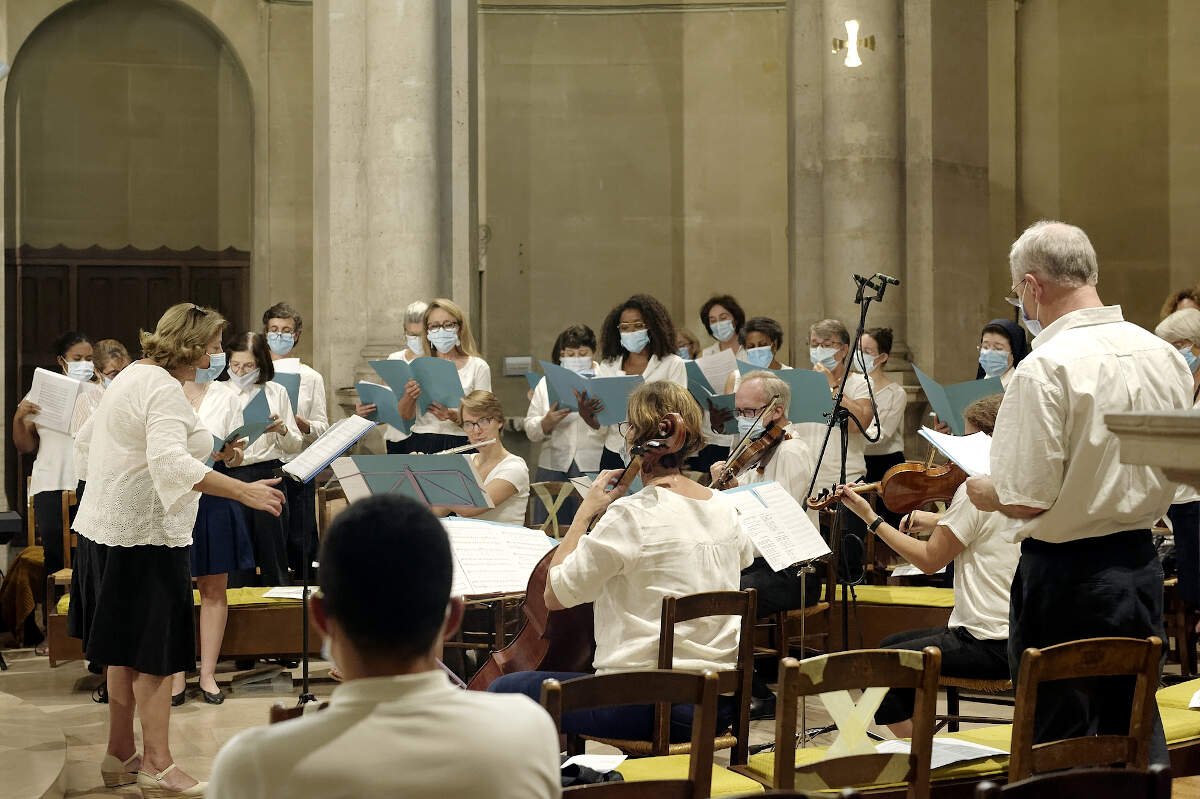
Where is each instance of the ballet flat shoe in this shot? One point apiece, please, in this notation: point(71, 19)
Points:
point(152, 787)
point(116, 773)
point(214, 698)
point(178, 699)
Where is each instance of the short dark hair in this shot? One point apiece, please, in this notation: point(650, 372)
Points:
point(391, 535)
point(68, 340)
point(281, 310)
point(883, 338)
point(728, 303)
point(768, 327)
point(256, 345)
point(658, 325)
point(573, 336)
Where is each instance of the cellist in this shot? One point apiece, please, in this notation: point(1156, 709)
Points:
point(672, 538)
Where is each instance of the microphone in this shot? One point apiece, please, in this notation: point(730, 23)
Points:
point(886, 278)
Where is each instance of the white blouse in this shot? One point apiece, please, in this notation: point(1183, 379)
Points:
point(669, 368)
point(572, 441)
point(220, 410)
point(142, 452)
point(53, 466)
point(311, 403)
point(271, 446)
point(474, 375)
point(514, 470)
point(890, 401)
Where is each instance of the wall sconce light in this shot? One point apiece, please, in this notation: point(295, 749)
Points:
point(851, 44)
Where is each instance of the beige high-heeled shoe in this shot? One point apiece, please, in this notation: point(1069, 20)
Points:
point(152, 787)
point(116, 773)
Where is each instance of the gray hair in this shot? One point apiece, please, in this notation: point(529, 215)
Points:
point(1180, 326)
point(772, 385)
point(415, 313)
point(1056, 251)
point(831, 328)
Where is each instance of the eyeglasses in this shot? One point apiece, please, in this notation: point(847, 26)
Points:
point(830, 343)
point(631, 327)
point(449, 327)
point(242, 368)
point(1013, 299)
point(623, 428)
point(472, 427)
point(749, 413)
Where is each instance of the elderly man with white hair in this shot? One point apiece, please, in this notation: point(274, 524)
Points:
point(1088, 566)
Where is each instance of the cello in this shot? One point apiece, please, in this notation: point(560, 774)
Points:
point(563, 640)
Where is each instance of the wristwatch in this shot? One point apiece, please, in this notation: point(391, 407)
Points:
point(873, 526)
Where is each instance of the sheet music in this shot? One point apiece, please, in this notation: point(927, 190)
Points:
point(55, 394)
point(971, 453)
point(717, 368)
point(909, 570)
point(340, 436)
point(493, 558)
point(777, 525)
point(946, 751)
point(295, 592)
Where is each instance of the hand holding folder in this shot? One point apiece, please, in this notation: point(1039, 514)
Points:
point(566, 388)
point(437, 377)
point(949, 402)
point(256, 420)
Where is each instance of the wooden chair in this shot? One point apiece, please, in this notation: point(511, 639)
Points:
point(786, 626)
point(644, 688)
point(59, 582)
point(331, 500)
point(734, 681)
point(550, 495)
point(855, 762)
point(1086, 783)
point(988, 692)
point(1093, 657)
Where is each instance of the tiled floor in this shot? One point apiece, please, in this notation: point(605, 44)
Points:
point(198, 730)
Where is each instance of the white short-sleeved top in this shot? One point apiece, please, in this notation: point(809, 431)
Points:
point(54, 464)
point(271, 446)
point(475, 375)
point(983, 571)
point(514, 470)
point(220, 410)
point(1052, 448)
point(670, 367)
point(651, 545)
point(437, 741)
point(142, 452)
point(813, 434)
point(890, 401)
point(571, 441)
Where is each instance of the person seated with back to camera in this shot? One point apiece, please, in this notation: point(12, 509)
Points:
point(396, 726)
point(975, 643)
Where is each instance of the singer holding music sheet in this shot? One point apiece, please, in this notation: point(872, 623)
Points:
point(1088, 565)
point(143, 454)
point(414, 347)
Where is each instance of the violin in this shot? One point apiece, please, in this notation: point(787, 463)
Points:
point(563, 640)
point(907, 486)
point(748, 454)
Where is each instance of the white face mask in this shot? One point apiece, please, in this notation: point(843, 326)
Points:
point(244, 382)
point(1031, 324)
point(864, 362)
point(414, 345)
point(826, 356)
point(80, 370)
point(576, 363)
point(723, 330)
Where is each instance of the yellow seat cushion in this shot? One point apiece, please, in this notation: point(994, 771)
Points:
point(238, 597)
point(921, 596)
point(675, 767)
point(1179, 695)
point(1180, 725)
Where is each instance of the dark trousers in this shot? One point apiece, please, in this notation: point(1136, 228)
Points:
point(703, 460)
point(778, 591)
point(268, 533)
point(629, 722)
point(1091, 588)
point(963, 655)
point(425, 444)
point(47, 518)
point(1185, 521)
point(302, 522)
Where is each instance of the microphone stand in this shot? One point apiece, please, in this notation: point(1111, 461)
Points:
point(306, 694)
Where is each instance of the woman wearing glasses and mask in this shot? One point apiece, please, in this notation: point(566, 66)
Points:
point(505, 476)
point(448, 336)
point(638, 338)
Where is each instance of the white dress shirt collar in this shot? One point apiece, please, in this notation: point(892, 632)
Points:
point(1084, 317)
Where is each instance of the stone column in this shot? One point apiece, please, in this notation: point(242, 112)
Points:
point(862, 186)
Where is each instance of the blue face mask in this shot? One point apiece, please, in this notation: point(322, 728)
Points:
point(635, 341)
point(993, 362)
point(753, 427)
point(863, 362)
point(281, 343)
point(1193, 360)
point(245, 381)
point(684, 353)
point(824, 356)
point(1032, 325)
point(216, 365)
point(760, 356)
point(723, 330)
point(443, 340)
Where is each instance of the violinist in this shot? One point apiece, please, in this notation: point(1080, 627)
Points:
point(975, 644)
point(672, 538)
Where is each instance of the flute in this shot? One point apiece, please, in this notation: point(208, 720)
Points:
point(465, 447)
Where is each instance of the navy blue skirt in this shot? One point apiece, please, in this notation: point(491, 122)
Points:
point(221, 539)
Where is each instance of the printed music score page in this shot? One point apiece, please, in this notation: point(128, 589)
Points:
point(946, 751)
point(971, 453)
point(777, 525)
point(492, 558)
point(717, 368)
point(337, 439)
point(55, 394)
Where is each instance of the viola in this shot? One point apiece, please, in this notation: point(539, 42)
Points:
point(907, 486)
point(563, 640)
point(748, 454)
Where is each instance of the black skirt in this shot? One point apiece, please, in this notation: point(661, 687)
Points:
point(132, 606)
point(268, 533)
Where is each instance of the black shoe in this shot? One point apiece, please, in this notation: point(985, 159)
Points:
point(178, 699)
point(94, 667)
point(100, 695)
point(762, 708)
point(213, 699)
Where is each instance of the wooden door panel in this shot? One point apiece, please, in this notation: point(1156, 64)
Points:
point(225, 290)
point(119, 301)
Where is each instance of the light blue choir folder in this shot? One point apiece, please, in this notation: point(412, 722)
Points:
point(384, 400)
point(256, 418)
point(613, 392)
point(708, 399)
point(811, 400)
point(446, 480)
point(438, 378)
point(290, 381)
point(533, 378)
point(949, 402)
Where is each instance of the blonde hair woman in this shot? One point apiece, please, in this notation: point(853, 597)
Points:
point(674, 537)
point(505, 476)
point(143, 454)
point(449, 336)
